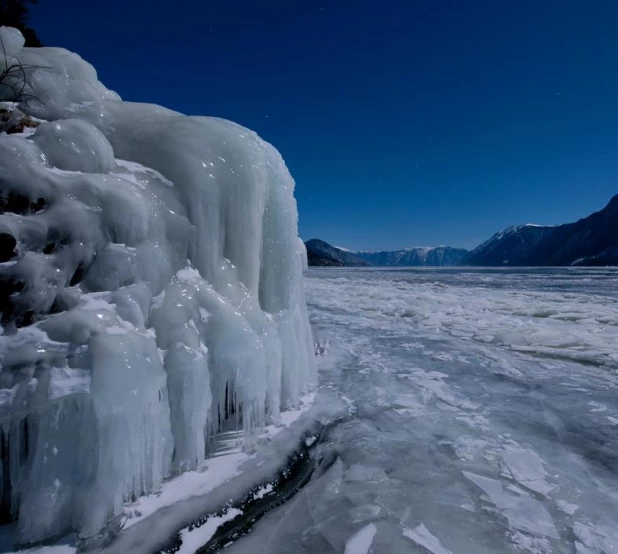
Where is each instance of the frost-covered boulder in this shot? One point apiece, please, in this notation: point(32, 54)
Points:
point(150, 286)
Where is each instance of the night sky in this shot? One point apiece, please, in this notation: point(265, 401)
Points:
point(403, 122)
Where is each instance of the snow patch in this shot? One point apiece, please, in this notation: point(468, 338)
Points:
point(193, 539)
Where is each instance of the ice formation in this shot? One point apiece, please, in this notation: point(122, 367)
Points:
point(151, 284)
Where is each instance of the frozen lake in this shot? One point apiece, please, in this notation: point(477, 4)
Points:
point(482, 415)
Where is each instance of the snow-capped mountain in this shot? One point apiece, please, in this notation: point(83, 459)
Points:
point(321, 253)
point(590, 241)
point(415, 257)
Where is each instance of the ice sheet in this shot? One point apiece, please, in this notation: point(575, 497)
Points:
point(547, 323)
point(494, 449)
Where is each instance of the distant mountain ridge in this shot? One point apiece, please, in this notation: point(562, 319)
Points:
point(420, 256)
point(320, 253)
point(592, 240)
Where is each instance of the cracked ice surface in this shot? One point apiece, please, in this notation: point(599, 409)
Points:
point(457, 441)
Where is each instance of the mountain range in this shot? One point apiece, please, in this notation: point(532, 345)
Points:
point(415, 257)
point(320, 253)
point(591, 241)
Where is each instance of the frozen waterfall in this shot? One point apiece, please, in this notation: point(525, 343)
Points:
point(151, 288)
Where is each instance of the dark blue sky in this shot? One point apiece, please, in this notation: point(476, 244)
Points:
point(403, 122)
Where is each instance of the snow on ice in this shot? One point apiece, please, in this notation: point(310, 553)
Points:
point(155, 289)
point(193, 539)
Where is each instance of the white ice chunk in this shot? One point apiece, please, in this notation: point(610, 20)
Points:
point(593, 539)
point(423, 537)
point(566, 507)
point(361, 541)
point(528, 514)
point(523, 512)
point(533, 545)
point(491, 487)
point(527, 469)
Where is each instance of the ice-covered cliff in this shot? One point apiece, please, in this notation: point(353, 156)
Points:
point(151, 287)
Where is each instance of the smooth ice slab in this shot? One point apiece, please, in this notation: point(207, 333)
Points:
point(527, 469)
point(522, 511)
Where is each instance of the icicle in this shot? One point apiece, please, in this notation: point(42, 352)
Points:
point(156, 293)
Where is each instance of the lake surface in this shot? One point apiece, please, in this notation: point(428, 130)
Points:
point(482, 415)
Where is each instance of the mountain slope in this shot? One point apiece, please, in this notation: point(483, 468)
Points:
point(320, 253)
point(592, 240)
point(316, 260)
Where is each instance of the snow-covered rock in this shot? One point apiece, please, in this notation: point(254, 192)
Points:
point(153, 288)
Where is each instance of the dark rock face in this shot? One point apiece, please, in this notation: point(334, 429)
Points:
point(589, 241)
point(439, 256)
point(8, 244)
point(315, 260)
point(320, 253)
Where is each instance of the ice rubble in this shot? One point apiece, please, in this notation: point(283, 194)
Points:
point(154, 290)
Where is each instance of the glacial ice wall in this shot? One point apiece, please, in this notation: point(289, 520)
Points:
point(151, 288)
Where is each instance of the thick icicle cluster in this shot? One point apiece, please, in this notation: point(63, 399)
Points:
point(151, 281)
